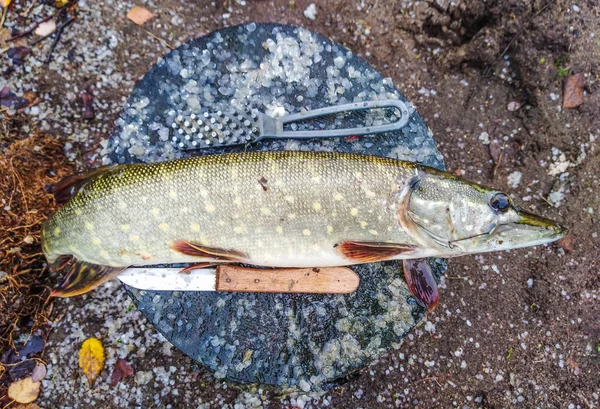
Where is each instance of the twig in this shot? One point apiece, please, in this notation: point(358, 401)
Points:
point(432, 378)
point(3, 16)
point(37, 40)
point(59, 31)
point(546, 200)
point(8, 404)
point(158, 38)
point(29, 30)
point(497, 164)
point(26, 12)
point(33, 103)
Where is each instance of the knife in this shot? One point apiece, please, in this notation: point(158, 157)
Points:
point(225, 278)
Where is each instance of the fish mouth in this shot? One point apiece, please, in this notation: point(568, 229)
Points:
point(539, 222)
point(532, 229)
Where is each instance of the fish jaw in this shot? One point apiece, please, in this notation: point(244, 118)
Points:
point(533, 230)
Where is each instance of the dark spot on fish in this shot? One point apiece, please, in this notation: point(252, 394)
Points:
point(263, 182)
point(316, 270)
point(256, 280)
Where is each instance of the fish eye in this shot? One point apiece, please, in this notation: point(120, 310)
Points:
point(500, 202)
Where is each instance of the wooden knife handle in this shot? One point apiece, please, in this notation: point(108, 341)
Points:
point(317, 280)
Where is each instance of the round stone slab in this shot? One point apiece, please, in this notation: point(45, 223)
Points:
point(299, 341)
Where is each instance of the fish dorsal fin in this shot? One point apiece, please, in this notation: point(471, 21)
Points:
point(81, 276)
point(69, 186)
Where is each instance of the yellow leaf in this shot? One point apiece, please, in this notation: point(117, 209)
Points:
point(91, 359)
point(24, 390)
point(140, 15)
point(61, 3)
point(5, 3)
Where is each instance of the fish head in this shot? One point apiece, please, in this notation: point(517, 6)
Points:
point(462, 217)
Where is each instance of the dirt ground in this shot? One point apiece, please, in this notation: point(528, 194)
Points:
point(515, 329)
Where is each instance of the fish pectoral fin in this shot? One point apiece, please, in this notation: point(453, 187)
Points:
point(69, 186)
point(371, 251)
point(83, 277)
point(190, 248)
point(421, 282)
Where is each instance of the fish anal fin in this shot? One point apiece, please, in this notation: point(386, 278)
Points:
point(371, 251)
point(421, 282)
point(69, 186)
point(193, 267)
point(190, 248)
point(82, 277)
point(61, 262)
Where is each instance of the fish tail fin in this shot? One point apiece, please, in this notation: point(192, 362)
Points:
point(69, 186)
point(81, 276)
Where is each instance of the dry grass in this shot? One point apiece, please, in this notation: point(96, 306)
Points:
point(27, 165)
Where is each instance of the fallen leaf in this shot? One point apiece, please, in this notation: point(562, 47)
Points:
point(22, 369)
point(87, 99)
point(495, 151)
point(5, 3)
point(61, 3)
point(140, 15)
point(122, 370)
point(573, 91)
point(46, 28)
point(17, 54)
point(566, 243)
point(4, 36)
point(39, 372)
point(574, 366)
point(24, 390)
point(91, 359)
point(34, 345)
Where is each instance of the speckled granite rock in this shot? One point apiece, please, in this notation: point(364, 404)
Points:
point(307, 342)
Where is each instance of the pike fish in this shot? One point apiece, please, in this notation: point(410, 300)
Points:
point(278, 209)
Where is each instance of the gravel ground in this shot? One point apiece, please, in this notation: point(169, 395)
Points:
point(515, 329)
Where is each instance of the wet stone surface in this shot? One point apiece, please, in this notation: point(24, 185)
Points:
point(305, 342)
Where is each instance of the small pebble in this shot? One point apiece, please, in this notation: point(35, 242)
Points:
point(311, 12)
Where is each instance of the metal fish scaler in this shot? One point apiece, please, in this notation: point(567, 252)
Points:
point(278, 209)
